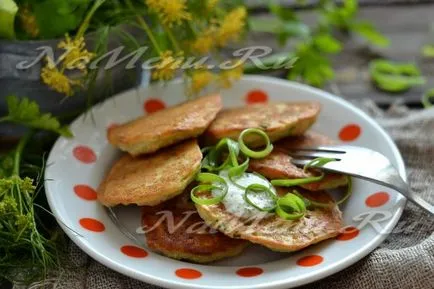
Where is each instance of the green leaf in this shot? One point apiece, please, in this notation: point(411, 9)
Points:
point(8, 10)
point(327, 43)
point(367, 30)
point(428, 50)
point(27, 113)
point(395, 77)
point(282, 12)
point(57, 17)
point(428, 98)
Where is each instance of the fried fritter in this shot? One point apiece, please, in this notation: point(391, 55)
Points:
point(151, 179)
point(274, 232)
point(149, 133)
point(278, 120)
point(277, 165)
point(189, 238)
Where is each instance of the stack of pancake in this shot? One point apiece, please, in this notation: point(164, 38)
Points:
point(163, 156)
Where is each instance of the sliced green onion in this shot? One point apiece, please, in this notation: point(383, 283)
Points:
point(348, 192)
point(211, 160)
point(258, 188)
point(428, 98)
point(210, 179)
point(310, 203)
point(251, 153)
point(296, 182)
point(290, 207)
point(318, 162)
point(237, 172)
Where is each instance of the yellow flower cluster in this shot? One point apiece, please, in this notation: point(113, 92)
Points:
point(167, 66)
point(76, 56)
point(227, 77)
point(231, 26)
point(201, 78)
point(211, 4)
point(204, 43)
point(221, 32)
point(58, 81)
point(169, 11)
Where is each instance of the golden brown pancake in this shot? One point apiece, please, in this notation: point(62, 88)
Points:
point(274, 232)
point(278, 120)
point(190, 239)
point(151, 179)
point(277, 165)
point(149, 133)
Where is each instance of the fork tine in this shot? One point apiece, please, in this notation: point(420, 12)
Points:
point(300, 162)
point(330, 149)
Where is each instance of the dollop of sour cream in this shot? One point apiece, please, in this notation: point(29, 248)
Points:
point(234, 201)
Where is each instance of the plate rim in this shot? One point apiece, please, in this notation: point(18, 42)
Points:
point(169, 283)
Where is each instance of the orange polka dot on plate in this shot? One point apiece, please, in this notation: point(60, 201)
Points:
point(134, 251)
point(186, 273)
point(249, 272)
point(377, 200)
point(85, 192)
point(350, 132)
point(92, 225)
point(84, 154)
point(311, 260)
point(348, 233)
point(152, 105)
point(256, 96)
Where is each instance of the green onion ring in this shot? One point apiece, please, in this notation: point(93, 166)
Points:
point(428, 98)
point(237, 172)
point(310, 203)
point(207, 188)
point(210, 179)
point(259, 188)
point(296, 182)
point(318, 162)
point(348, 192)
point(210, 161)
point(251, 153)
point(296, 205)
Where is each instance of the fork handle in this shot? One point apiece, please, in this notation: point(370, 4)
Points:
point(401, 186)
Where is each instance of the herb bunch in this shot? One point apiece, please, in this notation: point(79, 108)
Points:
point(29, 248)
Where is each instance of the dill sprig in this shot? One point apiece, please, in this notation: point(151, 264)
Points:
point(29, 247)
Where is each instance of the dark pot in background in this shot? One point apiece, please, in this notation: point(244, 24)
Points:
point(27, 83)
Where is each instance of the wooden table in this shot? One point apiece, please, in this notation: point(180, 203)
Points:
point(408, 28)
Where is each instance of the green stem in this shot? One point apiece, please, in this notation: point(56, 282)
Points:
point(172, 38)
point(86, 22)
point(5, 118)
point(18, 152)
point(145, 26)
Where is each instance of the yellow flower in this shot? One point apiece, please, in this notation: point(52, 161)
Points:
point(55, 79)
point(200, 79)
point(76, 55)
point(227, 77)
point(211, 4)
point(204, 43)
point(231, 26)
point(28, 21)
point(166, 68)
point(170, 11)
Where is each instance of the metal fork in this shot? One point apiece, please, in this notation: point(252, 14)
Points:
point(361, 163)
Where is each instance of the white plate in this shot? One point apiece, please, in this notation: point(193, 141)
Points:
point(77, 165)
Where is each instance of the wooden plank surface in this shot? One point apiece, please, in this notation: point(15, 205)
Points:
point(408, 28)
